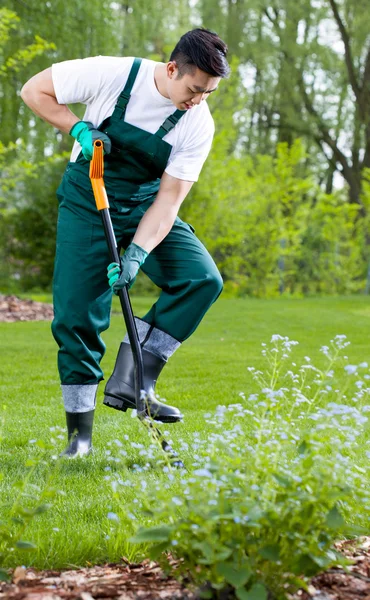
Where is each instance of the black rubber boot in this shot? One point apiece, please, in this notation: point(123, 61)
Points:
point(120, 389)
point(79, 426)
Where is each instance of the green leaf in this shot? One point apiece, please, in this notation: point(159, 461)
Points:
point(334, 519)
point(25, 545)
point(355, 530)
point(241, 594)
point(207, 550)
point(303, 447)
point(322, 561)
point(223, 553)
point(4, 575)
point(42, 509)
point(158, 549)
point(236, 577)
point(206, 594)
point(270, 552)
point(306, 565)
point(160, 533)
point(284, 481)
point(257, 592)
point(25, 512)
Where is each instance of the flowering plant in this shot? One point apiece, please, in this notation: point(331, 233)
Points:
point(275, 483)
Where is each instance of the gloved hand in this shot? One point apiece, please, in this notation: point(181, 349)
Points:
point(86, 134)
point(120, 276)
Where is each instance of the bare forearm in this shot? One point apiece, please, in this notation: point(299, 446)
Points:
point(155, 225)
point(47, 108)
point(158, 220)
point(38, 93)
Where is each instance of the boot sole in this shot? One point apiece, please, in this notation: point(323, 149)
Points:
point(119, 404)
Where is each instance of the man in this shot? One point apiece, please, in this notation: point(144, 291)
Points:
point(157, 132)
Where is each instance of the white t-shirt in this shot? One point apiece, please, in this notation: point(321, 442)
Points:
point(98, 81)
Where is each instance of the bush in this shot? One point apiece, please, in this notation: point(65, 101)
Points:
point(29, 228)
point(271, 229)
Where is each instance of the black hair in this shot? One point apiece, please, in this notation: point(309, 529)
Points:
point(201, 48)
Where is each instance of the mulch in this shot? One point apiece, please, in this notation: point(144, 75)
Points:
point(337, 584)
point(146, 581)
point(126, 581)
point(14, 309)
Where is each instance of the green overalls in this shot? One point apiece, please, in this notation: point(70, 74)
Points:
point(180, 265)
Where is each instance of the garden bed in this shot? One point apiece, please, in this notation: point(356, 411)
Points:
point(13, 308)
point(146, 581)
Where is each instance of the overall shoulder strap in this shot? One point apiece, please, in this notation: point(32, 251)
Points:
point(170, 123)
point(124, 97)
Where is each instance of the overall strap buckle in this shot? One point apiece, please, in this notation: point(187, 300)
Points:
point(124, 97)
point(122, 102)
point(170, 123)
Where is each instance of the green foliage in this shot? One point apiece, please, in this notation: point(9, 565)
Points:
point(9, 21)
point(259, 206)
point(18, 169)
point(270, 229)
point(29, 228)
point(261, 512)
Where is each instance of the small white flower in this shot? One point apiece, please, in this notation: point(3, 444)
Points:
point(177, 501)
point(276, 337)
point(203, 473)
point(112, 516)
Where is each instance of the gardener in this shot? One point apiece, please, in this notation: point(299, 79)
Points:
point(157, 132)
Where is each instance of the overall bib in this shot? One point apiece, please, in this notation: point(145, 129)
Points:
point(180, 265)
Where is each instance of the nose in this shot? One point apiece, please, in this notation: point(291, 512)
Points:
point(198, 98)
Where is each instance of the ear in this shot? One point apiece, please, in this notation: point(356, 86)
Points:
point(172, 69)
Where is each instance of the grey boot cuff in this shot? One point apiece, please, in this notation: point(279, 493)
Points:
point(156, 341)
point(79, 398)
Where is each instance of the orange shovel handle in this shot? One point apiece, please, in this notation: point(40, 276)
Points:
point(96, 176)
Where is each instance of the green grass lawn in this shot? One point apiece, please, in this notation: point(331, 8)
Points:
point(209, 369)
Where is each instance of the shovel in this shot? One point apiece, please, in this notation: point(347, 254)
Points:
point(141, 396)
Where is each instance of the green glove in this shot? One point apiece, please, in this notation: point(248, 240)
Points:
point(120, 276)
point(86, 134)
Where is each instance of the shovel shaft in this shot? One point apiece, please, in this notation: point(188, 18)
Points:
point(102, 204)
point(127, 314)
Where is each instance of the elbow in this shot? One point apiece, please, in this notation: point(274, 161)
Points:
point(25, 93)
point(29, 94)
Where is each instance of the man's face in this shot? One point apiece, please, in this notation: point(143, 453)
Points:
point(190, 89)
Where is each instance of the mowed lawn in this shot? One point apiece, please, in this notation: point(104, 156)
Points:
point(209, 369)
